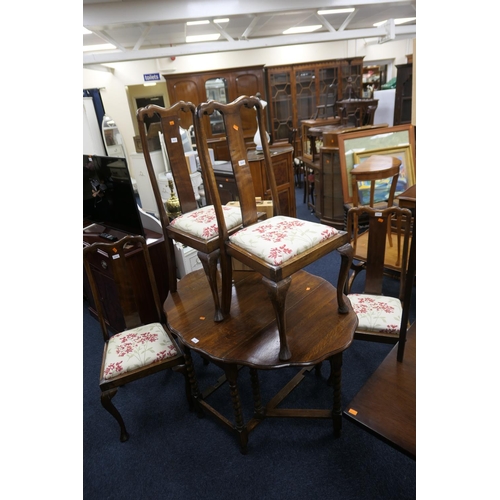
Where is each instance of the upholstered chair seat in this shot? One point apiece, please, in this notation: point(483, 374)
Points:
point(377, 313)
point(280, 238)
point(137, 348)
point(202, 223)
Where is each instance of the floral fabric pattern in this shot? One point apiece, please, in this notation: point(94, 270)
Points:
point(377, 314)
point(136, 348)
point(280, 238)
point(202, 223)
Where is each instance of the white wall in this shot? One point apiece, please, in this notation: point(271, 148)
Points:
point(113, 85)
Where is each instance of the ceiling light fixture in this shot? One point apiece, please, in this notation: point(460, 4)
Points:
point(221, 21)
point(149, 84)
point(86, 31)
point(302, 29)
point(335, 11)
point(194, 23)
point(102, 46)
point(396, 21)
point(203, 38)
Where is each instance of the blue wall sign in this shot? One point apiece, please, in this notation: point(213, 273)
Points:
point(152, 77)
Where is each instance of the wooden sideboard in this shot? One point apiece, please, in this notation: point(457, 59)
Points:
point(282, 159)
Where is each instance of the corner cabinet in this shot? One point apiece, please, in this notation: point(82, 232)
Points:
point(294, 92)
point(224, 86)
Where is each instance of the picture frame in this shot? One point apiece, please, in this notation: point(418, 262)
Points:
point(362, 141)
point(406, 177)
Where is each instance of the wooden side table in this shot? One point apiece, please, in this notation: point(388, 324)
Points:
point(316, 332)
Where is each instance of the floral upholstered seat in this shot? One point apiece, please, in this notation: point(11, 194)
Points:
point(280, 238)
point(137, 348)
point(377, 313)
point(202, 223)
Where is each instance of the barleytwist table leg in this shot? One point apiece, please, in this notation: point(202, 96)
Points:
point(257, 403)
point(193, 381)
point(232, 376)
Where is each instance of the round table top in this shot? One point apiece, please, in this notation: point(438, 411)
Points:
point(316, 330)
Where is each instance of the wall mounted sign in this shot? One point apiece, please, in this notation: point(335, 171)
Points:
point(152, 77)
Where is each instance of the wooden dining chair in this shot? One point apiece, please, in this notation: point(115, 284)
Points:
point(380, 316)
point(196, 227)
point(146, 345)
point(277, 247)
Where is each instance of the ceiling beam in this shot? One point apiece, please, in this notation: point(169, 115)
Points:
point(228, 46)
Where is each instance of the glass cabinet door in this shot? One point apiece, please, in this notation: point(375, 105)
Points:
point(305, 93)
point(327, 76)
point(281, 102)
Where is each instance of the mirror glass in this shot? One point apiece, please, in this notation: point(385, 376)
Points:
point(216, 89)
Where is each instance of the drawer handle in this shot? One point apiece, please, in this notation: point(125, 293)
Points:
point(104, 264)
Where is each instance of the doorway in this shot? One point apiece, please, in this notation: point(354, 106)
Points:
point(142, 102)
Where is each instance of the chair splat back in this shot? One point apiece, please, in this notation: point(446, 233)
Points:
point(377, 242)
point(169, 123)
point(232, 116)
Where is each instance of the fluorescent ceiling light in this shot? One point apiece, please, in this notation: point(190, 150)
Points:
point(149, 84)
point(335, 11)
point(302, 29)
point(194, 23)
point(397, 21)
point(203, 38)
point(102, 46)
point(86, 31)
point(221, 21)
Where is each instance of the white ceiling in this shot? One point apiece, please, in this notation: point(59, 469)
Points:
point(153, 29)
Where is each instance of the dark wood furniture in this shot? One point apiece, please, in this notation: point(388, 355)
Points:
point(277, 247)
point(408, 198)
point(223, 85)
point(295, 91)
point(404, 94)
point(113, 308)
point(312, 135)
point(356, 112)
point(386, 405)
point(282, 161)
point(145, 346)
point(249, 337)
